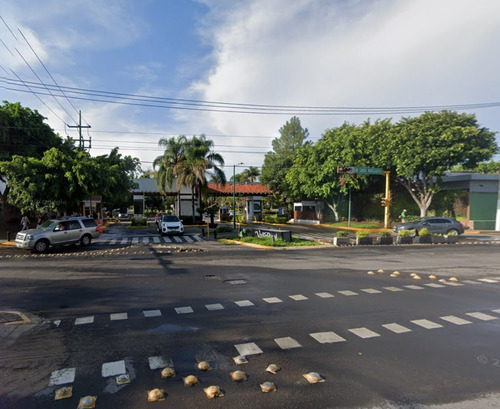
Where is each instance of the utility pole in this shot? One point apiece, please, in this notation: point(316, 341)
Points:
point(80, 126)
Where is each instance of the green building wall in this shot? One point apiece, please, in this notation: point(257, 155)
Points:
point(483, 207)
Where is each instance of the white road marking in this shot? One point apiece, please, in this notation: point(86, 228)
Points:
point(414, 287)
point(324, 295)
point(287, 343)
point(145, 240)
point(364, 332)
point(453, 284)
point(57, 323)
point(124, 240)
point(244, 303)
point(250, 348)
point(394, 289)
point(113, 241)
point(135, 240)
point(487, 280)
point(427, 324)
point(455, 320)
point(118, 316)
point(398, 329)
point(197, 238)
point(167, 239)
point(371, 291)
point(298, 297)
point(434, 285)
point(84, 320)
point(113, 369)
point(481, 316)
point(157, 362)
point(495, 311)
point(177, 239)
point(214, 307)
point(188, 239)
point(471, 282)
point(62, 376)
point(156, 239)
point(272, 300)
point(347, 293)
point(327, 337)
point(184, 310)
point(151, 313)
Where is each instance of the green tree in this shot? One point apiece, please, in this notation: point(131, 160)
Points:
point(171, 166)
point(278, 162)
point(423, 148)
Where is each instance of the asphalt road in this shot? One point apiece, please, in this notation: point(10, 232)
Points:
point(378, 341)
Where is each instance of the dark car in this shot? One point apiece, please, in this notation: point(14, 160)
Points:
point(436, 225)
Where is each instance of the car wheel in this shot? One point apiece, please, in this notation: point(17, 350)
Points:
point(41, 246)
point(85, 240)
point(453, 232)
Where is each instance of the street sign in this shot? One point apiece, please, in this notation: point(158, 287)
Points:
point(360, 170)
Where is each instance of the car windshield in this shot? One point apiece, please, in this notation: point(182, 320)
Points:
point(170, 219)
point(48, 225)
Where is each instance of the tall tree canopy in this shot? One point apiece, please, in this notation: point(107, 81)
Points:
point(278, 162)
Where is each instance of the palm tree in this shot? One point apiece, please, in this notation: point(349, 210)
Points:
point(171, 166)
point(200, 162)
point(252, 174)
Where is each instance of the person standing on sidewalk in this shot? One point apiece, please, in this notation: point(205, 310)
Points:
point(402, 216)
point(25, 223)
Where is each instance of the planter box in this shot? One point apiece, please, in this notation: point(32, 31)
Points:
point(341, 241)
point(439, 239)
point(423, 239)
point(452, 239)
point(385, 240)
point(404, 240)
point(364, 241)
point(286, 235)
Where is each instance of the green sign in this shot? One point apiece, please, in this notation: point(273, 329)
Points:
point(368, 171)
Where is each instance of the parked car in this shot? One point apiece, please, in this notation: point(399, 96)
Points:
point(58, 232)
point(170, 225)
point(435, 225)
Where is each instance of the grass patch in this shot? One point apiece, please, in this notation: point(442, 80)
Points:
point(268, 241)
point(369, 224)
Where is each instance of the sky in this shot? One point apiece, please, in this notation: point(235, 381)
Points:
point(237, 71)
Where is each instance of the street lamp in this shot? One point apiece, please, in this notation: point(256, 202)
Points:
point(234, 194)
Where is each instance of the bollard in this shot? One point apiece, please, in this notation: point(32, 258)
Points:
point(8, 236)
point(215, 234)
point(202, 232)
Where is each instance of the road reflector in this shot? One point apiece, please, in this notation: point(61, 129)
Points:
point(156, 395)
point(204, 366)
point(238, 376)
point(87, 402)
point(64, 393)
point(267, 387)
point(273, 368)
point(241, 359)
point(167, 372)
point(313, 377)
point(190, 380)
point(213, 392)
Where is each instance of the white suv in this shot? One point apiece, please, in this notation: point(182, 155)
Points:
point(58, 232)
point(170, 225)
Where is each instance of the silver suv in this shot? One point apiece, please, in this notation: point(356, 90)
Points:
point(58, 232)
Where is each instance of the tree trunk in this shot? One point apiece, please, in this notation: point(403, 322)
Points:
point(334, 206)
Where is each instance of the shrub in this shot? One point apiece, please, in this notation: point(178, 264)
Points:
point(342, 233)
point(384, 233)
point(224, 229)
point(424, 232)
point(406, 233)
point(142, 221)
point(362, 234)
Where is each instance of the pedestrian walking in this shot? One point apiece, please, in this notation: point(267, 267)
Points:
point(25, 223)
point(402, 216)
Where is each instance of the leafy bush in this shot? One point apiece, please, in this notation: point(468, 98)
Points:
point(224, 229)
point(424, 232)
point(142, 221)
point(362, 234)
point(342, 233)
point(275, 219)
point(406, 233)
point(384, 233)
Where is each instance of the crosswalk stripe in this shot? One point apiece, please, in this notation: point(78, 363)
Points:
point(188, 239)
point(156, 239)
point(118, 316)
point(398, 329)
point(496, 311)
point(167, 239)
point(471, 282)
point(427, 324)
point(455, 320)
point(135, 240)
point(487, 280)
point(414, 287)
point(151, 313)
point(244, 303)
point(394, 289)
point(177, 239)
point(145, 240)
point(371, 291)
point(348, 293)
point(434, 285)
point(250, 348)
point(364, 332)
point(113, 369)
point(298, 297)
point(327, 337)
point(184, 310)
point(84, 320)
point(287, 343)
point(214, 307)
point(157, 362)
point(62, 376)
point(124, 241)
point(197, 238)
point(324, 295)
point(453, 284)
point(113, 241)
point(272, 300)
point(481, 316)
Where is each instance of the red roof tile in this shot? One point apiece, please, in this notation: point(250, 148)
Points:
point(248, 189)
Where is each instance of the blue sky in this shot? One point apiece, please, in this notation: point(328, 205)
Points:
point(310, 53)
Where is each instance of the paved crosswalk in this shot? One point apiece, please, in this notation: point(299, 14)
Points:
point(150, 240)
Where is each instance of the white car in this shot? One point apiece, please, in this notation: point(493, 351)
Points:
point(170, 225)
